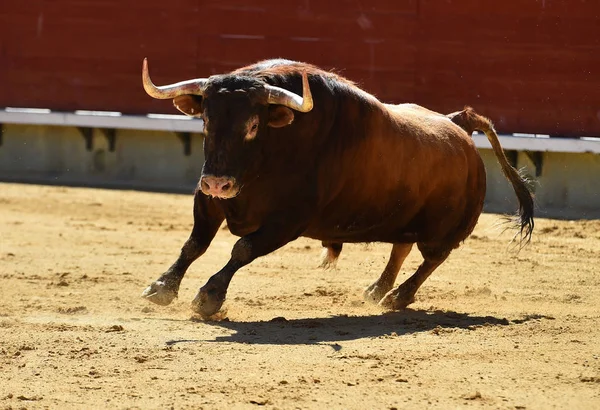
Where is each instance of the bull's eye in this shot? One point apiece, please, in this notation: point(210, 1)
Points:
point(251, 128)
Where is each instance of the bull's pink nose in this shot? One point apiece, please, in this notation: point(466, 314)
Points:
point(217, 186)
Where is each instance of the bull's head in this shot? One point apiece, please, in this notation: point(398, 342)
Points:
point(236, 110)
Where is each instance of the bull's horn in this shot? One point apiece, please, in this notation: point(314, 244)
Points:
point(194, 87)
point(281, 96)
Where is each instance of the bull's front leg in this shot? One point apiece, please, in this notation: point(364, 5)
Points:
point(207, 220)
point(267, 239)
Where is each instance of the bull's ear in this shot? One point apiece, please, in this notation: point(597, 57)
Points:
point(280, 116)
point(189, 105)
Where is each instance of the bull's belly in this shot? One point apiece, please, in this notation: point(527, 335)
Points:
point(393, 230)
point(354, 229)
point(362, 237)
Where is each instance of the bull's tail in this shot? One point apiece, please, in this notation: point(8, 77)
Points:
point(470, 121)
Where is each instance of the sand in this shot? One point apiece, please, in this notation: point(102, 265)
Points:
point(493, 327)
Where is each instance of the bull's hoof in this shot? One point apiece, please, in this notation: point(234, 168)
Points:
point(158, 292)
point(208, 301)
point(328, 260)
point(375, 293)
point(328, 263)
point(397, 299)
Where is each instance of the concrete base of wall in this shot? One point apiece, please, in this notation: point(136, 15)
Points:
point(152, 160)
point(567, 186)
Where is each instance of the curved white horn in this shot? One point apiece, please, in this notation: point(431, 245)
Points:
point(281, 96)
point(194, 87)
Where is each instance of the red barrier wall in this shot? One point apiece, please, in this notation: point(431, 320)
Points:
point(531, 66)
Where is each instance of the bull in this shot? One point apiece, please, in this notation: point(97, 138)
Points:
point(292, 150)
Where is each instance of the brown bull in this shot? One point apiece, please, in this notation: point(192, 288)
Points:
point(292, 150)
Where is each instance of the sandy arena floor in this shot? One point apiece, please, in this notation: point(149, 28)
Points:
point(492, 327)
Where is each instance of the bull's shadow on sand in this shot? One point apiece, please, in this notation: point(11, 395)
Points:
point(343, 328)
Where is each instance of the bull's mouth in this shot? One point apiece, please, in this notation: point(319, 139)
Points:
point(223, 187)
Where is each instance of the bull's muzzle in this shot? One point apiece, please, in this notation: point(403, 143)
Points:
point(219, 187)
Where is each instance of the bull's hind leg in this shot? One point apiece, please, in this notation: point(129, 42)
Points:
point(207, 219)
point(377, 290)
point(404, 294)
point(331, 253)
